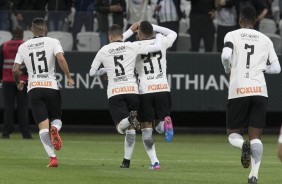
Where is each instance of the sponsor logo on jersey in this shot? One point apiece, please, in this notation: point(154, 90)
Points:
point(246, 90)
point(123, 89)
point(157, 87)
point(40, 84)
point(119, 79)
point(117, 50)
point(249, 36)
point(36, 45)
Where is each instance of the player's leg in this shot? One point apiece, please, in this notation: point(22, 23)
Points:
point(40, 115)
point(162, 110)
point(119, 110)
point(257, 116)
point(236, 117)
point(147, 116)
point(53, 102)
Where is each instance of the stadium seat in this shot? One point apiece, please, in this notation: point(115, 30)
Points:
point(65, 38)
point(88, 41)
point(276, 39)
point(27, 35)
point(267, 26)
point(183, 42)
point(5, 36)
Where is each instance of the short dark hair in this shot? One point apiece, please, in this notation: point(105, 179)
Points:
point(146, 28)
point(115, 30)
point(39, 24)
point(17, 33)
point(248, 12)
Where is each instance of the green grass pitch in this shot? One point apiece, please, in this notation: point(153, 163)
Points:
point(95, 158)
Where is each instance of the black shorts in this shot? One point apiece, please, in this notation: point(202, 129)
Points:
point(246, 111)
point(121, 105)
point(154, 106)
point(45, 103)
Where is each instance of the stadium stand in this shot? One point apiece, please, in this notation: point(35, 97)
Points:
point(88, 41)
point(183, 42)
point(267, 26)
point(276, 39)
point(65, 38)
point(27, 35)
point(5, 36)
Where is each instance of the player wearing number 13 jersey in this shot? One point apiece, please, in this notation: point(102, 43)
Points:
point(39, 54)
point(246, 56)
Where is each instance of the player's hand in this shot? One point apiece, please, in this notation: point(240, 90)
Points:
point(70, 82)
point(105, 76)
point(20, 85)
point(135, 27)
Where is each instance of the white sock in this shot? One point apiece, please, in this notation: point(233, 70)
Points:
point(256, 155)
point(57, 123)
point(160, 127)
point(129, 143)
point(149, 144)
point(47, 143)
point(236, 140)
point(123, 125)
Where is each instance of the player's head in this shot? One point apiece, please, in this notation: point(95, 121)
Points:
point(247, 16)
point(38, 27)
point(145, 30)
point(115, 33)
point(17, 33)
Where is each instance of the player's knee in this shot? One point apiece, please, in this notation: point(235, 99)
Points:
point(130, 136)
point(147, 137)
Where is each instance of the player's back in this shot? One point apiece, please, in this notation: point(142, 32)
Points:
point(249, 60)
point(38, 55)
point(118, 59)
point(151, 69)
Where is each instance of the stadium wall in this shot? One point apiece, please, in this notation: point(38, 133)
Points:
point(198, 84)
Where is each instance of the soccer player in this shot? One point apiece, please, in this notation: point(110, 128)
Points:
point(39, 54)
point(118, 59)
point(246, 56)
point(280, 145)
point(154, 89)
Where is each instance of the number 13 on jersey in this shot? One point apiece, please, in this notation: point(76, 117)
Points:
point(36, 59)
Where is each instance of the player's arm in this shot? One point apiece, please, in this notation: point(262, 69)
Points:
point(273, 68)
point(95, 71)
point(16, 69)
point(170, 36)
point(280, 145)
point(227, 52)
point(142, 48)
point(127, 34)
point(273, 65)
point(64, 66)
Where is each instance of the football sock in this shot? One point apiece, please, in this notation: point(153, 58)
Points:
point(129, 142)
point(123, 125)
point(149, 144)
point(160, 127)
point(57, 123)
point(47, 143)
point(236, 140)
point(256, 155)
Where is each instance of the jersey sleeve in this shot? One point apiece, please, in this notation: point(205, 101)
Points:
point(97, 61)
point(140, 48)
point(228, 41)
point(19, 57)
point(272, 56)
point(57, 47)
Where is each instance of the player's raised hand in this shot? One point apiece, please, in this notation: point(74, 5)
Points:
point(20, 85)
point(70, 82)
point(135, 27)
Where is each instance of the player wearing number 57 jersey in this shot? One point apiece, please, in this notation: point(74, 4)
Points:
point(118, 59)
point(155, 103)
point(39, 54)
point(246, 56)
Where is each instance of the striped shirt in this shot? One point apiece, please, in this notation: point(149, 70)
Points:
point(167, 12)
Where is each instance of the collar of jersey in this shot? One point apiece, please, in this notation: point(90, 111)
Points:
point(38, 36)
point(117, 41)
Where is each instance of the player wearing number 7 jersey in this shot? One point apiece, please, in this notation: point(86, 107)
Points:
point(246, 56)
point(118, 59)
point(39, 55)
point(155, 103)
